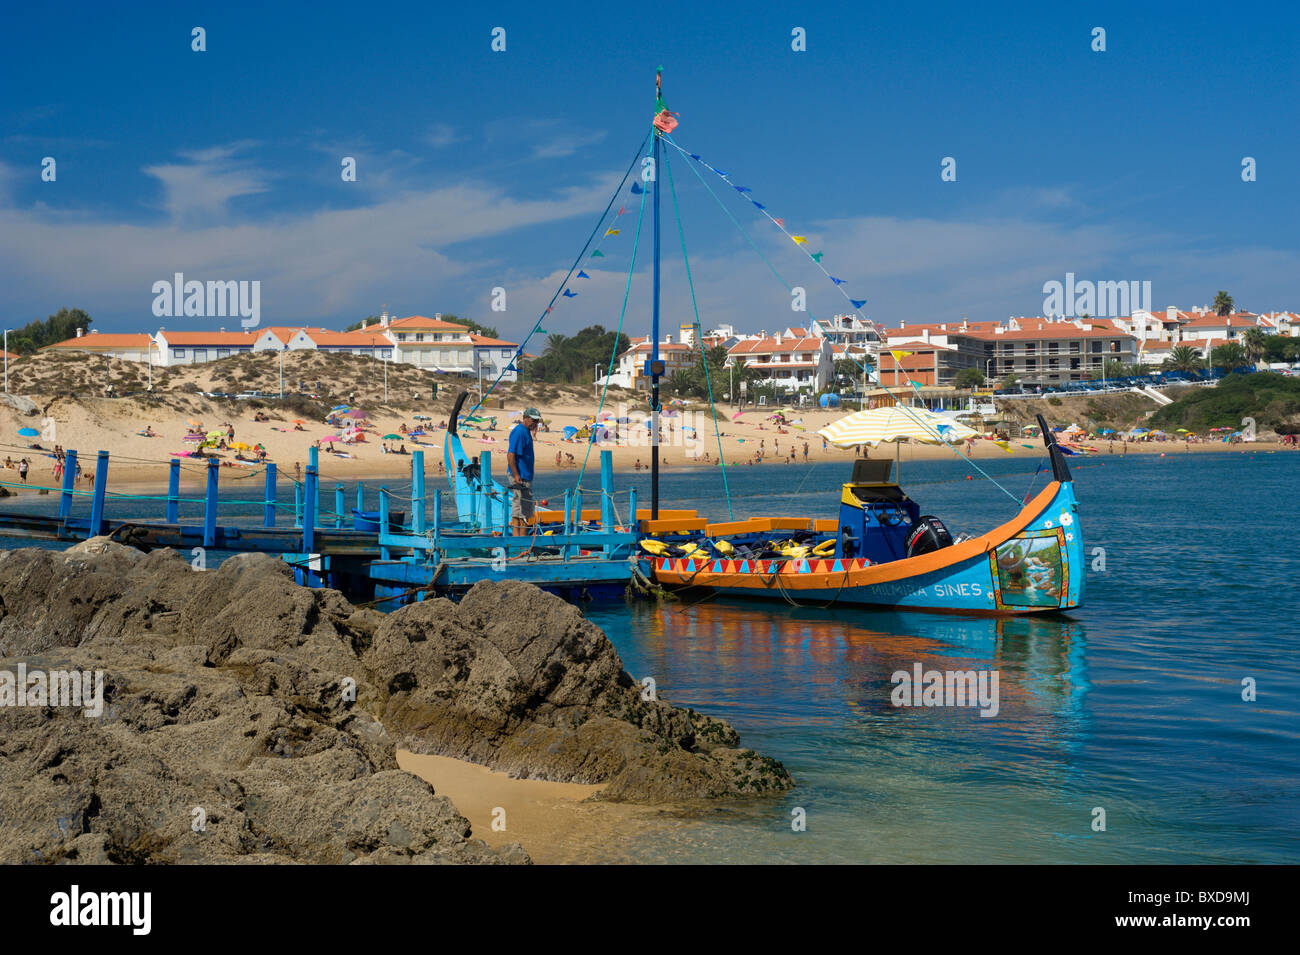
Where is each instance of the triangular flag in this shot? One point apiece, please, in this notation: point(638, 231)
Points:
point(695, 155)
point(900, 355)
point(611, 232)
point(858, 302)
point(817, 256)
point(598, 254)
point(742, 188)
point(780, 222)
point(622, 210)
point(636, 189)
point(758, 205)
point(799, 240)
point(719, 172)
point(568, 294)
point(583, 275)
point(837, 281)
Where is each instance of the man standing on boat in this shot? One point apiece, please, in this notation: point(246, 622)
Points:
point(519, 462)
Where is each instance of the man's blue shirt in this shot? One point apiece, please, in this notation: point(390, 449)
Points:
point(521, 446)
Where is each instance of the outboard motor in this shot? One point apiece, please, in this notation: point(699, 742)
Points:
point(928, 535)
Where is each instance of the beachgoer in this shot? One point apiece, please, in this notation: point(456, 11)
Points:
point(22, 470)
point(805, 452)
point(519, 464)
point(402, 449)
point(297, 470)
point(557, 459)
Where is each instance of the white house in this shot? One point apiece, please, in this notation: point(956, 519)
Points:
point(789, 361)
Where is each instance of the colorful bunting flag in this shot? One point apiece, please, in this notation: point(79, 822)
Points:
point(636, 189)
point(583, 275)
point(622, 210)
point(665, 121)
point(780, 222)
point(611, 232)
point(757, 204)
point(742, 188)
point(695, 155)
point(799, 240)
point(598, 254)
point(817, 256)
point(858, 302)
point(568, 294)
point(837, 281)
point(900, 355)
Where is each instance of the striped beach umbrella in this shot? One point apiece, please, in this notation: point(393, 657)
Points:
point(29, 432)
point(894, 423)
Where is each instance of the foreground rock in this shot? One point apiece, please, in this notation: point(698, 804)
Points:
point(270, 713)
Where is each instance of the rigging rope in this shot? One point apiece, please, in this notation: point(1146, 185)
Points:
point(563, 284)
point(613, 355)
point(897, 398)
point(699, 336)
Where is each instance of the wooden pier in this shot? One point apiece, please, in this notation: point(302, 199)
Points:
point(576, 552)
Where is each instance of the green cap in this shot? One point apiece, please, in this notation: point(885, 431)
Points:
point(533, 413)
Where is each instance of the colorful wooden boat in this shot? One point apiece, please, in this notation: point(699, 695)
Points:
point(885, 553)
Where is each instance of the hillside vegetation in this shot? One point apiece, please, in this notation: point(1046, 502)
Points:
point(1271, 399)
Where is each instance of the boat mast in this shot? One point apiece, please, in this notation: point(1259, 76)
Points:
point(655, 366)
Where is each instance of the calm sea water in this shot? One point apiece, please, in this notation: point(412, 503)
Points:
point(1132, 704)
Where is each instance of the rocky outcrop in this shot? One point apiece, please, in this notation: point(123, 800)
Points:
point(519, 680)
point(248, 719)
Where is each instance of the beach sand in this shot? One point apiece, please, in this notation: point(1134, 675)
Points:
point(550, 820)
point(136, 461)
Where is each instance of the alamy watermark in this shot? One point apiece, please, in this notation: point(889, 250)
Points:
point(211, 299)
point(626, 429)
point(946, 688)
point(1074, 299)
point(62, 688)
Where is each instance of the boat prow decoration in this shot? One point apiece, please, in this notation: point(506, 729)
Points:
point(886, 553)
point(465, 475)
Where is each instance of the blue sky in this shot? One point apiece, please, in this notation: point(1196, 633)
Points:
point(479, 170)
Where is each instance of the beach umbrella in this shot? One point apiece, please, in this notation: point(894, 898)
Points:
point(193, 423)
point(29, 432)
point(216, 434)
point(1183, 431)
point(421, 417)
point(354, 414)
point(1138, 431)
point(569, 432)
point(894, 423)
point(338, 408)
point(297, 421)
point(392, 437)
point(1106, 431)
point(193, 437)
point(331, 437)
point(736, 416)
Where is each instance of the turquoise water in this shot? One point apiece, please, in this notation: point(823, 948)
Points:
point(1131, 704)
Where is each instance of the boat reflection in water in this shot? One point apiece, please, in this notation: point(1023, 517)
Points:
point(813, 688)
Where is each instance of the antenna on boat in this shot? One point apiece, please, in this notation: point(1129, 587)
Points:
point(656, 366)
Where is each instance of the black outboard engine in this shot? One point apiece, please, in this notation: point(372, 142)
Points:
point(928, 535)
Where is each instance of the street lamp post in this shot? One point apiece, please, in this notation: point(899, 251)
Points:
point(6, 361)
point(282, 350)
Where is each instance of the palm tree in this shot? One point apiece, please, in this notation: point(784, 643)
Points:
point(1254, 341)
point(1231, 355)
point(1223, 304)
point(1183, 358)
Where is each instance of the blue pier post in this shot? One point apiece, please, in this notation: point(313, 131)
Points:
point(297, 504)
point(417, 492)
point(69, 485)
point(313, 464)
point(97, 503)
point(485, 472)
point(270, 494)
point(577, 510)
point(383, 522)
point(631, 506)
point(174, 492)
point(338, 505)
point(437, 518)
point(606, 490)
point(311, 499)
point(568, 523)
point(361, 495)
point(210, 505)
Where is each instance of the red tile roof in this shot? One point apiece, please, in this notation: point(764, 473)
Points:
point(96, 340)
point(422, 322)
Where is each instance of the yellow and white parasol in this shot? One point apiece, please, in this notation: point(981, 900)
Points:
point(894, 423)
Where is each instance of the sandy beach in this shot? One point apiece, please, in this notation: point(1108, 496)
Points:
point(553, 821)
point(749, 440)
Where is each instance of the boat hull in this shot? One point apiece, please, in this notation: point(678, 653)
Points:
point(1032, 564)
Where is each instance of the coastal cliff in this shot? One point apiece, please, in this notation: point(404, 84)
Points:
point(247, 719)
